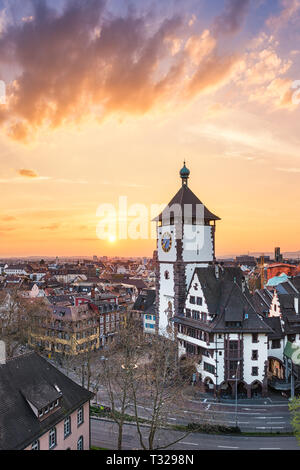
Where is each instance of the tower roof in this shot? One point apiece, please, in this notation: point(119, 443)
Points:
point(186, 197)
point(184, 172)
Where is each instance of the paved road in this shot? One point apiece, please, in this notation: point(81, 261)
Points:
point(104, 434)
point(267, 416)
point(250, 418)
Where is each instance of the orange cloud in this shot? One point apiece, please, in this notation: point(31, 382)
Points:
point(8, 218)
point(81, 61)
point(7, 229)
point(213, 72)
point(200, 46)
point(54, 226)
point(28, 173)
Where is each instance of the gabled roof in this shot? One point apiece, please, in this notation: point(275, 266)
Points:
point(138, 283)
point(275, 324)
point(146, 301)
point(186, 197)
point(40, 394)
point(262, 300)
point(296, 282)
point(217, 291)
point(253, 323)
point(291, 286)
point(276, 280)
point(26, 375)
point(228, 298)
point(287, 304)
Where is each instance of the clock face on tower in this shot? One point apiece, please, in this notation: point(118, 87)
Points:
point(166, 242)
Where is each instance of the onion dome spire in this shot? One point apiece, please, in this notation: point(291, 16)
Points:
point(184, 174)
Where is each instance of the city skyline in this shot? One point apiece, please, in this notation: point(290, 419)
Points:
point(209, 84)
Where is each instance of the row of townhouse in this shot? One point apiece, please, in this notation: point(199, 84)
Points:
point(279, 307)
point(17, 270)
point(72, 325)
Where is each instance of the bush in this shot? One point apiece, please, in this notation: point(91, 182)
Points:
point(212, 428)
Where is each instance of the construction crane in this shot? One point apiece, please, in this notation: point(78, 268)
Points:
point(262, 271)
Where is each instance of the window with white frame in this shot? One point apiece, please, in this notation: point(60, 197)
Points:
point(35, 445)
point(80, 416)
point(67, 427)
point(52, 438)
point(80, 443)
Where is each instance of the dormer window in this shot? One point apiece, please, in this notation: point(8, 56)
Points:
point(46, 410)
point(234, 324)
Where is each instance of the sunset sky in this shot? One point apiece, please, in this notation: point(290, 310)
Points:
point(107, 98)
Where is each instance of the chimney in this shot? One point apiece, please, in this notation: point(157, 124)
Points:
point(296, 304)
point(2, 353)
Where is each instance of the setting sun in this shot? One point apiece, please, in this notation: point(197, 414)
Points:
point(112, 239)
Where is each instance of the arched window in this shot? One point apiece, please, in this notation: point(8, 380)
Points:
point(80, 443)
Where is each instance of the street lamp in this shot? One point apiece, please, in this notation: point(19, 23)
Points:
point(235, 377)
point(134, 366)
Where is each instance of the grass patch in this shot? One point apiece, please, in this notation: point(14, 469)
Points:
point(97, 411)
point(205, 428)
point(268, 434)
point(98, 448)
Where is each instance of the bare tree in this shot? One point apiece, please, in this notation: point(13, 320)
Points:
point(163, 381)
point(142, 373)
point(16, 317)
point(118, 371)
